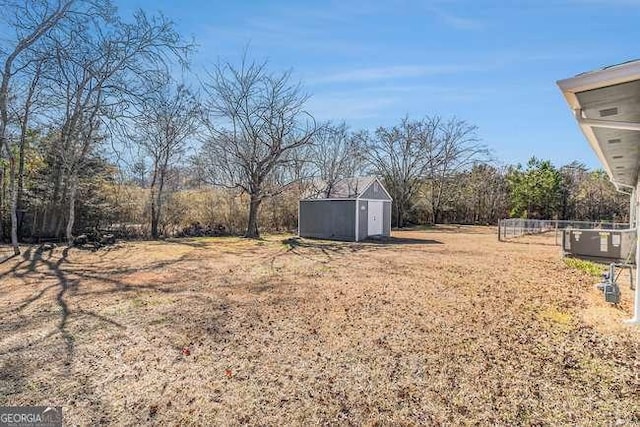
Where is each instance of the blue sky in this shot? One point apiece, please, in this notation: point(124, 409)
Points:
point(369, 63)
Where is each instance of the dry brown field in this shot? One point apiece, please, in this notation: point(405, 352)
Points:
point(437, 327)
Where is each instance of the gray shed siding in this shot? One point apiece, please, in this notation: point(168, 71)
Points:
point(386, 216)
point(375, 192)
point(327, 219)
point(363, 219)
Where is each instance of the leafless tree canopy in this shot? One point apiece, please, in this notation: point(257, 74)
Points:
point(257, 122)
point(74, 68)
point(416, 152)
point(334, 154)
point(97, 133)
point(166, 121)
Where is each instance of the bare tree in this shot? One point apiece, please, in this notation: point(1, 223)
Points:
point(168, 118)
point(476, 196)
point(102, 70)
point(257, 122)
point(334, 155)
point(572, 175)
point(430, 150)
point(28, 100)
point(31, 20)
point(453, 148)
point(400, 155)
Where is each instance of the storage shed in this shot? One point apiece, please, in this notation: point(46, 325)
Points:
point(352, 210)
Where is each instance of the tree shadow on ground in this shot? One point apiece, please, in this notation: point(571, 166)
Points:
point(191, 242)
point(520, 242)
point(65, 281)
point(403, 241)
point(456, 229)
point(8, 258)
point(323, 245)
point(63, 306)
point(325, 251)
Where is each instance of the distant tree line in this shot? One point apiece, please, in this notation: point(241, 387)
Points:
point(97, 133)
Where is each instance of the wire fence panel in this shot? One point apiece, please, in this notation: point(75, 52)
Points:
point(512, 228)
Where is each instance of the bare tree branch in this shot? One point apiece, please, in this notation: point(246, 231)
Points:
point(257, 124)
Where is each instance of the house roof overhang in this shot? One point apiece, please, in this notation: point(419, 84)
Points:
point(606, 105)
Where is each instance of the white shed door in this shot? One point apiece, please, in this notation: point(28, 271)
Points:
point(375, 218)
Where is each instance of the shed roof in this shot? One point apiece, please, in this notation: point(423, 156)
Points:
point(346, 188)
point(351, 187)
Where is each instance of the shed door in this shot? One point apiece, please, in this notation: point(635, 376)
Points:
point(375, 218)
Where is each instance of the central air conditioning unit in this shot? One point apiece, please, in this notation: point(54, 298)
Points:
point(600, 245)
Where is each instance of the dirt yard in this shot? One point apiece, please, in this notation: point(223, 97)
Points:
point(445, 326)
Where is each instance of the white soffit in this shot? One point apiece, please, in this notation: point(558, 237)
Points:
point(606, 104)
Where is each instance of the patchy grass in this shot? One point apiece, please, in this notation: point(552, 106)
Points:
point(556, 316)
point(440, 326)
point(592, 268)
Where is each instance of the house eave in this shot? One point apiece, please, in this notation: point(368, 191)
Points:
point(621, 175)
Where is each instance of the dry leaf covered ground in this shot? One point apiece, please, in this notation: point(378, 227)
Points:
point(437, 327)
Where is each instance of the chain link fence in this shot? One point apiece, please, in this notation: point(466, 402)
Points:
point(512, 228)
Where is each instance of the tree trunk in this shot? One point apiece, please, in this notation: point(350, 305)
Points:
point(14, 205)
point(156, 209)
point(437, 202)
point(43, 223)
point(24, 129)
point(2, 201)
point(159, 176)
point(72, 210)
point(58, 212)
point(159, 195)
point(252, 226)
point(54, 205)
point(20, 190)
point(154, 216)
